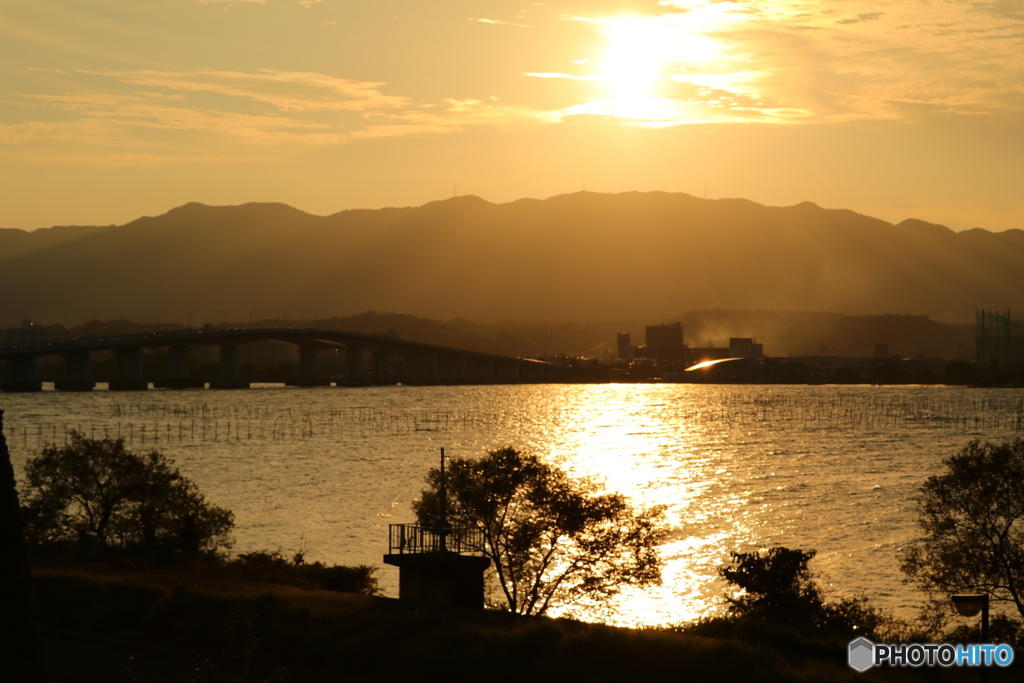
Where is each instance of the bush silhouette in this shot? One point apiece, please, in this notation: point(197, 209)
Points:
point(779, 588)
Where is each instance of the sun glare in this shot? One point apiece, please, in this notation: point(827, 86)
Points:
point(637, 55)
point(642, 56)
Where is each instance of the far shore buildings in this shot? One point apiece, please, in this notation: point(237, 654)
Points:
point(665, 345)
point(664, 342)
point(666, 353)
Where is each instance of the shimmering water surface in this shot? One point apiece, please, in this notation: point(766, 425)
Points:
point(739, 467)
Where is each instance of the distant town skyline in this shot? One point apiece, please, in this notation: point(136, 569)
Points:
point(111, 110)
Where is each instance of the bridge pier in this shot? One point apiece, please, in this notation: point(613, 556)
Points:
point(425, 368)
point(307, 369)
point(230, 370)
point(486, 369)
point(355, 370)
point(509, 371)
point(455, 368)
point(129, 370)
point(179, 372)
point(381, 367)
point(22, 374)
point(76, 372)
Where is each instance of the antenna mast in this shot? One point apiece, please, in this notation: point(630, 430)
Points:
point(443, 527)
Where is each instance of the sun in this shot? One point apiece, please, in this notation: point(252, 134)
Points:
point(639, 51)
point(642, 53)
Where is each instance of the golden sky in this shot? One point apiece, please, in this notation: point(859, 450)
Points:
point(113, 109)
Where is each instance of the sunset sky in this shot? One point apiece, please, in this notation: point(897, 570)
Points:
point(113, 109)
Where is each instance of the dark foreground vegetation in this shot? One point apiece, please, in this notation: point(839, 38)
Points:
point(132, 581)
point(270, 637)
point(237, 631)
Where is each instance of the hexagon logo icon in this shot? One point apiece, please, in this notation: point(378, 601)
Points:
point(862, 654)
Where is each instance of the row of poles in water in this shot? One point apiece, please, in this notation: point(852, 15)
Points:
point(207, 430)
point(288, 425)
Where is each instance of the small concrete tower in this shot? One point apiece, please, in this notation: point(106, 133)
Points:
point(440, 564)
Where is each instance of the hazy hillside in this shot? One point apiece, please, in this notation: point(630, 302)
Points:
point(582, 258)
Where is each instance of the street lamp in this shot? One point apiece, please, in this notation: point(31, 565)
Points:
point(968, 605)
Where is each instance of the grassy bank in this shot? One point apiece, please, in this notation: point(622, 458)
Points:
point(243, 634)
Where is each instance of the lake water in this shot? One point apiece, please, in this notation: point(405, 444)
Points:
point(325, 470)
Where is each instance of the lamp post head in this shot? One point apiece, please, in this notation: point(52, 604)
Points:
point(969, 604)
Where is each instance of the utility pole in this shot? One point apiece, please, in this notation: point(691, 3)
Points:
point(443, 527)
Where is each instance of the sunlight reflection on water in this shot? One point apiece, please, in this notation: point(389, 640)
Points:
point(738, 467)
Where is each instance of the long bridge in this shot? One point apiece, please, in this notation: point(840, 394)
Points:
point(368, 359)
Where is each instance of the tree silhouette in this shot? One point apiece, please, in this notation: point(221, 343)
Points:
point(93, 497)
point(552, 540)
point(972, 517)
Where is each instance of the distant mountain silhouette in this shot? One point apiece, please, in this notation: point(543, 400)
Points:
point(577, 258)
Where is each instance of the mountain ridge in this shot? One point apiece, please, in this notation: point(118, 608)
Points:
point(568, 257)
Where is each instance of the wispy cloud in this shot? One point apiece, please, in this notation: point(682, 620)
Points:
point(283, 90)
point(500, 22)
point(798, 60)
point(570, 77)
point(164, 115)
